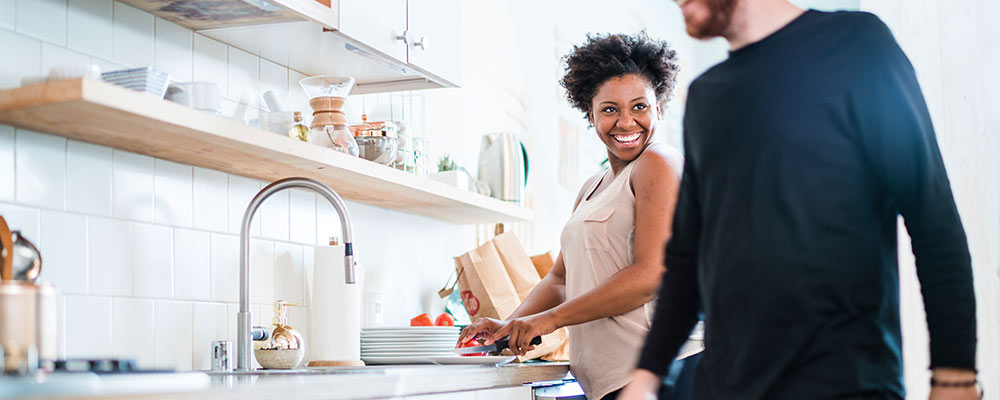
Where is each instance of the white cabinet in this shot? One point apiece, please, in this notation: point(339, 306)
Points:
point(511, 393)
point(434, 27)
point(376, 23)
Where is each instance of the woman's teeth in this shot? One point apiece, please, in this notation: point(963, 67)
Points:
point(627, 138)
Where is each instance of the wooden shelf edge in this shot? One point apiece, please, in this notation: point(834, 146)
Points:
point(103, 114)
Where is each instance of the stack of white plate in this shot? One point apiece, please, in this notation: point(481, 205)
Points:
point(407, 345)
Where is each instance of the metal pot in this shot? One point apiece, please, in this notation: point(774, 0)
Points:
point(503, 165)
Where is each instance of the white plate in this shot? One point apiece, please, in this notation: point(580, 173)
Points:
point(445, 347)
point(413, 329)
point(480, 360)
point(396, 360)
point(406, 354)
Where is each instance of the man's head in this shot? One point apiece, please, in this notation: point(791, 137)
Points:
point(706, 19)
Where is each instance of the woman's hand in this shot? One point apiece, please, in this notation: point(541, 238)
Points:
point(522, 330)
point(482, 328)
point(643, 386)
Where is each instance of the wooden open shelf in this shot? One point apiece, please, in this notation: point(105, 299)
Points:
point(100, 113)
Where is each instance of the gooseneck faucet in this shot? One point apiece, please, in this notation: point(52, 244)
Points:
point(244, 351)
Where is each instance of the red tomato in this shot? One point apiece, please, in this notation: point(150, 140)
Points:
point(471, 343)
point(422, 320)
point(444, 319)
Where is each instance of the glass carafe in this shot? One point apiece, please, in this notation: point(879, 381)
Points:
point(336, 137)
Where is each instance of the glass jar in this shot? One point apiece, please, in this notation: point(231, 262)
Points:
point(336, 137)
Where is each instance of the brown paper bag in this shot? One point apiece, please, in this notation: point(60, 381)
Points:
point(519, 267)
point(543, 263)
point(484, 285)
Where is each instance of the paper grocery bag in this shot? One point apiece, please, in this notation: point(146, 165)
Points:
point(486, 290)
point(519, 267)
point(543, 263)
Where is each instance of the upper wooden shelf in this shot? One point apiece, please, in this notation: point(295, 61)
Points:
point(100, 113)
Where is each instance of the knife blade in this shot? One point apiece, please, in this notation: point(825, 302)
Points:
point(496, 347)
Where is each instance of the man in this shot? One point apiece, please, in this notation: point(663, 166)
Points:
point(802, 148)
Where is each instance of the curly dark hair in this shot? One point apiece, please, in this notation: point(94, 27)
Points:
point(607, 56)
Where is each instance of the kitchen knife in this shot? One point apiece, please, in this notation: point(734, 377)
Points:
point(496, 347)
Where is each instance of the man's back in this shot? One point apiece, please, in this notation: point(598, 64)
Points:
point(802, 150)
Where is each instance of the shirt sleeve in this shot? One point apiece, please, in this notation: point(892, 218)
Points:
point(678, 302)
point(895, 129)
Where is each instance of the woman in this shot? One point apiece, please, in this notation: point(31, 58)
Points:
point(606, 276)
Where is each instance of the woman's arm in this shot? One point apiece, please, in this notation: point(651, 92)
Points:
point(655, 184)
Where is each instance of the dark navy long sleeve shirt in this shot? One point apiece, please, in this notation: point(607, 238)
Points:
point(802, 150)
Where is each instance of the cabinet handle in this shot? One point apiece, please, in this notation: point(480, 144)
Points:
point(422, 43)
point(405, 37)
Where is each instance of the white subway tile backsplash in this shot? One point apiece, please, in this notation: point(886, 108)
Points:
point(88, 328)
point(43, 19)
point(327, 222)
point(63, 242)
point(173, 50)
point(225, 263)
point(173, 188)
point(24, 219)
point(288, 274)
point(274, 217)
point(298, 318)
point(297, 99)
point(211, 62)
point(54, 56)
point(231, 313)
point(241, 192)
point(8, 14)
point(273, 77)
point(244, 76)
point(174, 332)
point(262, 271)
point(134, 330)
point(132, 186)
point(110, 256)
point(210, 323)
point(210, 200)
point(29, 58)
point(132, 36)
point(152, 261)
point(89, 27)
point(7, 183)
point(41, 169)
point(302, 217)
point(88, 178)
point(192, 265)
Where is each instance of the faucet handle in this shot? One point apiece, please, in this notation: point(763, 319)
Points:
point(259, 333)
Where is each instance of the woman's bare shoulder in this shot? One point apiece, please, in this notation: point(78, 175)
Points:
point(658, 160)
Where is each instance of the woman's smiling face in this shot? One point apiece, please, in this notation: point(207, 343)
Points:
point(624, 112)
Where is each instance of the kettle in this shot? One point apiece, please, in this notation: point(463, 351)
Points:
point(503, 166)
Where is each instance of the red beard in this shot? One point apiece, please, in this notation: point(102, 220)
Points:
point(719, 17)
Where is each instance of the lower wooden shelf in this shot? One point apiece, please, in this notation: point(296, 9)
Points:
point(100, 113)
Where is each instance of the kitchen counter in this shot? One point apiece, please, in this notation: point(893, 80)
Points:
point(372, 382)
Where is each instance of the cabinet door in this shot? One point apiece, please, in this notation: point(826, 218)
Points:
point(438, 25)
point(376, 23)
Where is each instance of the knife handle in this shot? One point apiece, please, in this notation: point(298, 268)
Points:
point(504, 344)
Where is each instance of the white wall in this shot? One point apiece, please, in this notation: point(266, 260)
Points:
point(956, 52)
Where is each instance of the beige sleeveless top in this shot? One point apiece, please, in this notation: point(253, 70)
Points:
point(597, 242)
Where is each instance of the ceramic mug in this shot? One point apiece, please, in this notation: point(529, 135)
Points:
point(204, 96)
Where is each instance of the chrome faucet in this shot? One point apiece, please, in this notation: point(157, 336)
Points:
point(243, 343)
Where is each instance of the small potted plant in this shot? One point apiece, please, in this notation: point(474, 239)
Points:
point(449, 173)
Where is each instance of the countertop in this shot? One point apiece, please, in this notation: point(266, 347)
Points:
point(371, 382)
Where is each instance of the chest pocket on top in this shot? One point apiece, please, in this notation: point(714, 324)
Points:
point(595, 229)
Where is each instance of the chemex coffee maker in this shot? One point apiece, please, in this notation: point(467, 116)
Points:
point(28, 311)
point(327, 97)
